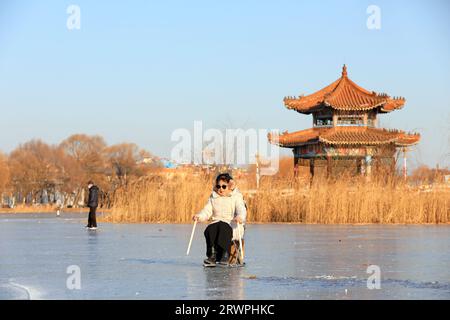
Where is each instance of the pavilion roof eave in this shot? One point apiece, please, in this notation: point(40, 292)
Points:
point(345, 136)
point(298, 144)
point(326, 104)
point(350, 143)
point(397, 144)
point(357, 143)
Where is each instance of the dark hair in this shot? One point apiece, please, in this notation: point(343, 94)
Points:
point(224, 177)
point(90, 182)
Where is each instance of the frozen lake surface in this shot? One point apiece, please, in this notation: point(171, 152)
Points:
point(148, 261)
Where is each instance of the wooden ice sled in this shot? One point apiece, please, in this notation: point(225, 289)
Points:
point(234, 254)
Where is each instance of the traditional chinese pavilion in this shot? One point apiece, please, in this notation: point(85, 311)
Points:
point(345, 130)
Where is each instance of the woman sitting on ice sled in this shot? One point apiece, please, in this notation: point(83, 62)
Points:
point(227, 210)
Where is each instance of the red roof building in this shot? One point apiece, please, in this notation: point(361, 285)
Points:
point(345, 127)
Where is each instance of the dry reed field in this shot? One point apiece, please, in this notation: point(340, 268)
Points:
point(351, 200)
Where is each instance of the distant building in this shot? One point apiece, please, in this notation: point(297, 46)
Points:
point(345, 131)
point(168, 164)
point(148, 160)
point(447, 179)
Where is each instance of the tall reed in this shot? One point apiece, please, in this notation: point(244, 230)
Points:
point(350, 200)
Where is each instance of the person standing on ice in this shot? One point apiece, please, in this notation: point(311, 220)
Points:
point(225, 205)
point(92, 204)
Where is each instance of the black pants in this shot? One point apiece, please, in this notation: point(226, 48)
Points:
point(92, 220)
point(218, 239)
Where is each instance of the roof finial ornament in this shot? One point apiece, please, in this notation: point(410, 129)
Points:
point(344, 71)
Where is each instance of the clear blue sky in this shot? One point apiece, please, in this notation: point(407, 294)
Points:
point(137, 70)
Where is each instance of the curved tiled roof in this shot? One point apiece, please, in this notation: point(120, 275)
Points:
point(302, 137)
point(344, 94)
point(345, 136)
point(405, 139)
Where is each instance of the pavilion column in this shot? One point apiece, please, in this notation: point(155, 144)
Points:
point(360, 165)
point(296, 161)
point(335, 117)
point(329, 166)
point(368, 161)
point(393, 166)
point(311, 169)
point(363, 166)
point(377, 166)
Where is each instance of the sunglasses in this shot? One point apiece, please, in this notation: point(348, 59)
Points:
point(223, 186)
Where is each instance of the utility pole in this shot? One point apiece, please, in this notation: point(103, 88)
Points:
point(257, 171)
point(405, 170)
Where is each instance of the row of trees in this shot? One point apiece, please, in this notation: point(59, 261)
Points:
point(36, 166)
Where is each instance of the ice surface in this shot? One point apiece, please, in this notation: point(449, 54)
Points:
point(148, 261)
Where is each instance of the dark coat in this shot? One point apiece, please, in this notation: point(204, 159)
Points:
point(93, 197)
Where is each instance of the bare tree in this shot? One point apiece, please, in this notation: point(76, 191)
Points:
point(4, 172)
point(33, 167)
point(85, 161)
point(36, 166)
point(123, 160)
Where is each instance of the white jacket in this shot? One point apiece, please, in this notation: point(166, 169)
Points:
point(224, 209)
